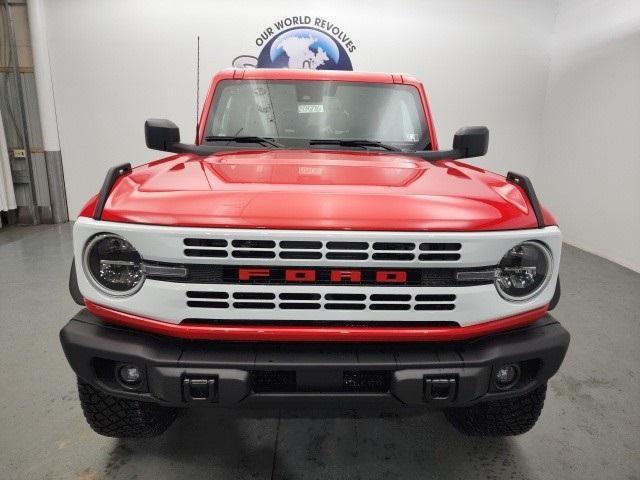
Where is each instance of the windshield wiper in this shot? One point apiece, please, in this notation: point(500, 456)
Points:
point(245, 139)
point(355, 143)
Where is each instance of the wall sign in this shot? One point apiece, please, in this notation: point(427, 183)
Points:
point(301, 42)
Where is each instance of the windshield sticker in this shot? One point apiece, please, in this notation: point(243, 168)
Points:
point(412, 137)
point(307, 108)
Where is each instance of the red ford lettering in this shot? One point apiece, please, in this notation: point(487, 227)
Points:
point(394, 276)
point(246, 274)
point(346, 275)
point(300, 276)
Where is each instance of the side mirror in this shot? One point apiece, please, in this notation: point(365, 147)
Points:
point(161, 134)
point(164, 135)
point(471, 141)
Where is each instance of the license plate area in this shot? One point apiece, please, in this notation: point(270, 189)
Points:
point(325, 380)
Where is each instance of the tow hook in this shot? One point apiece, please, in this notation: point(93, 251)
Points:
point(439, 390)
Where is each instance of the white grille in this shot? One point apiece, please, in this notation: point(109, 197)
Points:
point(167, 301)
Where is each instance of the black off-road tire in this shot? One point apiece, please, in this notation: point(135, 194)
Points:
point(122, 418)
point(511, 416)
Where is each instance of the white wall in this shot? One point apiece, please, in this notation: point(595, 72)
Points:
point(589, 169)
point(116, 63)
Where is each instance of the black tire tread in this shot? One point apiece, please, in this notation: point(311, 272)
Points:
point(510, 416)
point(120, 417)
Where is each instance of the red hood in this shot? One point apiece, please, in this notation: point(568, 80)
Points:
point(301, 189)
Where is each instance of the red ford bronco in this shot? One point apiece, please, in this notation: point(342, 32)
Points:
point(314, 247)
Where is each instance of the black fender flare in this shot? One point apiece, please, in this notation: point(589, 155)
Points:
point(556, 296)
point(74, 290)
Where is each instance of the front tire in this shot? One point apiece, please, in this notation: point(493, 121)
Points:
point(122, 418)
point(510, 416)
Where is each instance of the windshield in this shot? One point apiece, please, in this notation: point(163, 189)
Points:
point(297, 113)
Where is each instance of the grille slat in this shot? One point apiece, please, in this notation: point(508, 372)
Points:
point(300, 245)
point(390, 306)
point(454, 247)
point(435, 306)
point(393, 256)
point(345, 306)
point(205, 242)
point(377, 297)
point(299, 306)
point(198, 304)
point(191, 294)
point(393, 246)
point(253, 254)
point(439, 257)
point(299, 296)
point(253, 296)
point(251, 244)
point(192, 252)
point(345, 297)
point(347, 245)
point(347, 255)
point(258, 305)
point(435, 298)
point(300, 255)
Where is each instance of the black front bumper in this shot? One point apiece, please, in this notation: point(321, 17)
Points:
point(183, 373)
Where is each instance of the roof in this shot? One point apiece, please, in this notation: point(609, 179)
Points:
point(306, 74)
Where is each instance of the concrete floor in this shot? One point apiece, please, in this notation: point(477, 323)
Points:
point(590, 427)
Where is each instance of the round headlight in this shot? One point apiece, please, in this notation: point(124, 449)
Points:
point(524, 271)
point(113, 265)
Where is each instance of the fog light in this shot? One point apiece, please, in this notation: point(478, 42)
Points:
point(130, 374)
point(506, 376)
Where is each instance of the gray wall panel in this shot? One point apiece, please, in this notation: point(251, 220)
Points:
point(10, 110)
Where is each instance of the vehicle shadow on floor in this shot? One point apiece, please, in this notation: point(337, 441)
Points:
point(301, 444)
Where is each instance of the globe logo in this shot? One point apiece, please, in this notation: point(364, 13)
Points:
point(305, 48)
